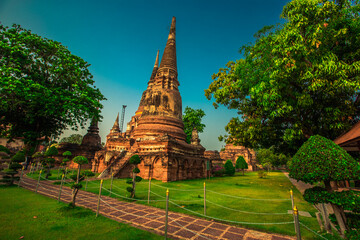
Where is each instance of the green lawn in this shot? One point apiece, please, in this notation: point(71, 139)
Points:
point(24, 213)
point(275, 186)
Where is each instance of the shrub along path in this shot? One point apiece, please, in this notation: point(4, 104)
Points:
point(152, 219)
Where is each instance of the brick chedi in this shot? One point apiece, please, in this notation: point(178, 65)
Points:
point(156, 131)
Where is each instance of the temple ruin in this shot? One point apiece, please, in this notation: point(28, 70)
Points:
point(156, 131)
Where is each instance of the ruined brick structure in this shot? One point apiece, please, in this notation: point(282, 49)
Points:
point(91, 143)
point(233, 152)
point(156, 131)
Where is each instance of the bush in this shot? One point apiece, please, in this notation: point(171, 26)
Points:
point(229, 168)
point(218, 170)
point(262, 174)
point(135, 159)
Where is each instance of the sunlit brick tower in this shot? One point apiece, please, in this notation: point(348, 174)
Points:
point(156, 131)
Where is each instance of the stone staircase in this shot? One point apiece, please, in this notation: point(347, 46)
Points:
point(116, 165)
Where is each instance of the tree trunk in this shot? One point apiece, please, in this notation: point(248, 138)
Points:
point(133, 185)
point(78, 174)
point(73, 196)
point(338, 211)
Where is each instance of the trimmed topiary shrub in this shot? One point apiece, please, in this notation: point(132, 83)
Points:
point(77, 178)
point(229, 168)
point(321, 160)
point(241, 164)
point(134, 160)
point(12, 170)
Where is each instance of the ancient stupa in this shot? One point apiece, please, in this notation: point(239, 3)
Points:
point(156, 131)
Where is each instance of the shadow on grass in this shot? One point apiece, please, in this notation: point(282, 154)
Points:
point(74, 212)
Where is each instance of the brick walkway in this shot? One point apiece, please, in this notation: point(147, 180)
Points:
point(152, 219)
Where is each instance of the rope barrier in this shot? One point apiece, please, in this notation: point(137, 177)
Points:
point(232, 209)
point(219, 219)
point(134, 199)
point(312, 231)
point(176, 189)
point(155, 216)
point(256, 199)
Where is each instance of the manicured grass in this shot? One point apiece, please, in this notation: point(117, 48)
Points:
point(24, 213)
point(55, 174)
point(275, 186)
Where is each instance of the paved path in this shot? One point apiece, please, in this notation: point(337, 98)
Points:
point(152, 219)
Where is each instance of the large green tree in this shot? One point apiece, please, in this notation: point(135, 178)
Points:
point(192, 119)
point(298, 79)
point(43, 87)
point(73, 138)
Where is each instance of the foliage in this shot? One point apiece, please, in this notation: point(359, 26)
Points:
point(14, 165)
point(134, 160)
point(192, 119)
point(52, 151)
point(4, 149)
point(18, 157)
point(349, 200)
point(320, 159)
point(241, 163)
point(80, 160)
point(77, 178)
point(261, 174)
point(218, 170)
point(44, 88)
point(229, 168)
point(298, 79)
point(88, 173)
point(73, 138)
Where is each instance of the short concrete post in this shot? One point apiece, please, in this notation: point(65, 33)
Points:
point(297, 225)
point(37, 166)
point(111, 184)
point(65, 171)
point(149, 190)
point(61, 184)
point(98, 205)
point(166, 212)
point(37, 185)
point(204, 198)
point(87, 179)
point(58, 173)
point(22, 172)
point(292, 204)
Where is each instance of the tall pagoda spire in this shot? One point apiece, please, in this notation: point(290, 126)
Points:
point(116, 128)
point(156, 67)
point(168, 59)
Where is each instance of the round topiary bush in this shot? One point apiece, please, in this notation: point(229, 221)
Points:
point(229, 168)
point(135, 159)
point(320, 159)
point(18, 157)
point(52, 151)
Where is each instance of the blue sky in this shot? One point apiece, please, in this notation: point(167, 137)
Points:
point(120, 39)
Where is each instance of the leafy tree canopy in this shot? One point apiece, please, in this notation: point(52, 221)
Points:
point(320, 159)
point(43, 87)
point(229, 168)
point(192, 119)
point(135, 159)
point(73, 138)
point(80, 160)
point(241, 163)
point(298, 79)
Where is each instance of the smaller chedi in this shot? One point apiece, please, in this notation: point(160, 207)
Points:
point(232, 152)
